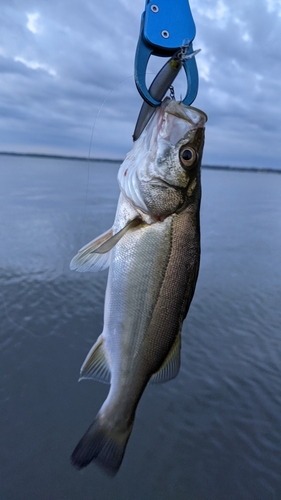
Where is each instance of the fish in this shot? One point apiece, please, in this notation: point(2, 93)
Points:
point(153, 255)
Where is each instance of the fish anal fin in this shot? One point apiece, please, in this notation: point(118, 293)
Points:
point(170, 368)
point(95, 365)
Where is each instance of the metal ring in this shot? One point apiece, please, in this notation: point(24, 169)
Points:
point(154, 8)
point(165, 34)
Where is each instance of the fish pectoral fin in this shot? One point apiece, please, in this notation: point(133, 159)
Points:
point(170, 368)
point(95, 256)
point(110, 242)
point(88, 260)
point(95, 365)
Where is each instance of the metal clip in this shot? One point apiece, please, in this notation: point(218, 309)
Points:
point(162, 33)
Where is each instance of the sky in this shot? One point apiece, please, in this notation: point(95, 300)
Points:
point(67, 84)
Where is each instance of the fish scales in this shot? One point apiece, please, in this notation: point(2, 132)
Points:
point(153, 253)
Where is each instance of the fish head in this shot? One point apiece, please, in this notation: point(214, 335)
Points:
point(162, 171)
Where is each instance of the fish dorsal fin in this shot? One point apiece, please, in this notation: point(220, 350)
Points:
point(170, 368)
point(95, 365)
point(95, 256)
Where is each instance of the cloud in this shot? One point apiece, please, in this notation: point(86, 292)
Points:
point(33, 22)
point(68, 66)
point(36, 65)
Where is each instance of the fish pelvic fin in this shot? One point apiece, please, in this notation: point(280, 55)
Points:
point(96, 365)
point(103, 446)
point(95, 256)
point(170, 368)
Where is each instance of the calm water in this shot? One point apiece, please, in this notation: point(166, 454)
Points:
point(214, 433)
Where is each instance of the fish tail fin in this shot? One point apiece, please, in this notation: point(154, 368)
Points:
point(102, 445)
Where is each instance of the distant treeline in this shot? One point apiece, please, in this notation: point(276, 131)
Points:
point(110, 160)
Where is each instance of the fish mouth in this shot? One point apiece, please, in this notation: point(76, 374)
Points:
point(190, 114)
point(157, 181)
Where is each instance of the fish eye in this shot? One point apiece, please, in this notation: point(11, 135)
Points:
point(188, 156)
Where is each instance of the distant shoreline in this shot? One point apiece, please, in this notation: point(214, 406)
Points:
point(110, 160)
point(61, 157)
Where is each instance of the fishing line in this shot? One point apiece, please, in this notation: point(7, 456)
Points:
point(98, 113)
point(91, 143)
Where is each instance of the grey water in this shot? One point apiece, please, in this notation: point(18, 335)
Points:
point(213, 433)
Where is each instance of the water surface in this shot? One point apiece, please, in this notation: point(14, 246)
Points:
point(214, 432)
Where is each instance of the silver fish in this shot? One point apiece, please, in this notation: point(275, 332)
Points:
point(153, 250)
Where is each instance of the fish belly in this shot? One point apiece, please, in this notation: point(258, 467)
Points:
point(151, 282)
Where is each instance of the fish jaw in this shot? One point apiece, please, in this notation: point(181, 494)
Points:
point(152, 177)
point(181, 184)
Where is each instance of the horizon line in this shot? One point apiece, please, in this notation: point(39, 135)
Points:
point(111, 160)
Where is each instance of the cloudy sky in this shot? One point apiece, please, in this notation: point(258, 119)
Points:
point(67, 75)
